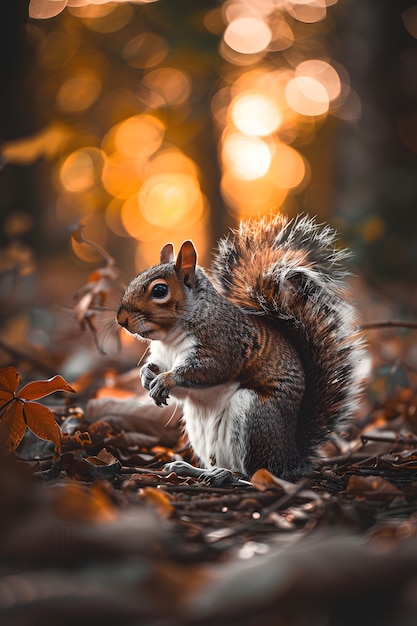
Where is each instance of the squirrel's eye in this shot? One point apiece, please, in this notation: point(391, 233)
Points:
point(160, 290)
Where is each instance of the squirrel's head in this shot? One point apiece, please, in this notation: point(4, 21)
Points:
point(155, 300)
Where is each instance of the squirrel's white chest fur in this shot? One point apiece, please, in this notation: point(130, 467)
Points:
point(214, 417)
point(215, 421)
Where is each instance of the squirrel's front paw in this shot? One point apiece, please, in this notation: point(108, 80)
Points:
point(148, 373)
point(160, 388)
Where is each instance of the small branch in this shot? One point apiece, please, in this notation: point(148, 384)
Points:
point(77, 234)
point(388, 324)
point(397, 439)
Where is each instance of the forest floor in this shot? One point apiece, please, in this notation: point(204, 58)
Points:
point(95, 531)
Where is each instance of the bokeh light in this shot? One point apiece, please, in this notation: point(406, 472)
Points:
point(81, 169)
point(104, 17)
point(248, 35)
point(322, 72)
point(247, 198)
point(172, 85)
point(169, 199)
point(145, 50)
point(78, 93)
point(172, 160)
point(288, 168)
point(308, 11)
point(134, 221)
point(45, 9)
point(282, 34)
point(121, 177)
point(277, 85)
point(139, 136)
point(255, 114)
point(307, 96)
point(248, 157)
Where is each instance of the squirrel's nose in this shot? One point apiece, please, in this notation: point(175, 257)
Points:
point(122, 318)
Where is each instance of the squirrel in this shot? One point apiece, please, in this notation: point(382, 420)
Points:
point(263, 355)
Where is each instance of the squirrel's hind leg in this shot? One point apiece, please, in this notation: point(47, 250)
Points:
point(215, 476)
point(271, 439)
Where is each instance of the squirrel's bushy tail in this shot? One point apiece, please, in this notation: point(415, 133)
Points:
point(292, 272)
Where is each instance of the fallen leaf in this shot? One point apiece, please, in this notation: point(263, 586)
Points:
point(158, 500)
point(77, 502)
point(263, 480)
point(130, 415)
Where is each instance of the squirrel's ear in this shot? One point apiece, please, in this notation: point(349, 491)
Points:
point(186, 262)
point(167, 253)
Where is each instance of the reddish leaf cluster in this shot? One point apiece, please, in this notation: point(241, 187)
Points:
point(19, 411)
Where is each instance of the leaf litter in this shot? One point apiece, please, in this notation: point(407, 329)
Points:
point(93, 528)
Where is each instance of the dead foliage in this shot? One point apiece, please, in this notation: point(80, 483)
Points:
point(93, 529)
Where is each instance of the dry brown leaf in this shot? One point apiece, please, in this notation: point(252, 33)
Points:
point(130, 415)
point(365, 484)
point(158, 499)
point(263, 480)
point(77, 502)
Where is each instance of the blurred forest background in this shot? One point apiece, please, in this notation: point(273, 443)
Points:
point(155, 121)
point(166, 120)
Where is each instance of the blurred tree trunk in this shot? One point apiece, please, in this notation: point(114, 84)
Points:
point(376, 174)
point(181, 23)
point(19, 186)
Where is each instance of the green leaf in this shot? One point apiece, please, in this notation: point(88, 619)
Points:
point(12, 427)
point(41, 422)
point(9, 379)
point(41, 388)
